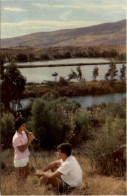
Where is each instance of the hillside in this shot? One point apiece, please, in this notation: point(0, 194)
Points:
point(97, 35)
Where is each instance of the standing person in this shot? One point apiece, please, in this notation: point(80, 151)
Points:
point(67, 173)
point(20, 143)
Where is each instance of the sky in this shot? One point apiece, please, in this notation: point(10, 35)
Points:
point(21, 17)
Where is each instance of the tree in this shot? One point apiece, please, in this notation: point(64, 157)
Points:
point(22, 57)
point(123, 72)
point(113, 53)
point(55, 74)
point(31, 57)
point(2, 61)
point(44, 57)
point(107, 75)
point(112, 71)
point(79, 75)
point(13, 84)
point(72, 75)
point(122, 57)
point(95, 72)
point(62, 81)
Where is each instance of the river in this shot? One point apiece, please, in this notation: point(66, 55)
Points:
point(89, 100)
point(41, 74)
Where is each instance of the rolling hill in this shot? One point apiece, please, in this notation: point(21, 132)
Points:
point(98, 35)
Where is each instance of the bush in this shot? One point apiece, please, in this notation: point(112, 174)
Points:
point(111, 127)
point(49, 120)
point(117, 109)
point(44, 57)
point(63, 82)
point(112, 137)
point(7, 129)
point(79, 127)
point(22, 57)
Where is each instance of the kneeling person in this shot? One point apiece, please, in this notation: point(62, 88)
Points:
point(67, 173)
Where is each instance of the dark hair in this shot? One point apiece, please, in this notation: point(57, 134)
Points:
point(65, 148)
point(18, 122)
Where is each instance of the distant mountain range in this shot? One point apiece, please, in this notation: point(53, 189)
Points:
point(98, 35)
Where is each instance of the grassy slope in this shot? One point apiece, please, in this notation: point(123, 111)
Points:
point(93, 184)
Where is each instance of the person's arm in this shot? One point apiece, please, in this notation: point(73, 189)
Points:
point(48, 175)
point(22, 148)
point(54, 164)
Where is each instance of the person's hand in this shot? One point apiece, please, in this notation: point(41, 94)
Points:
point(38, 173)
point(31, 136)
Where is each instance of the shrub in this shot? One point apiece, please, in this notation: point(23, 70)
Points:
point(7, 129)
point(49, 120)
point(62, 82)
point(44, 57)
point(79, 127)
point(112, 135)
point(117, 109)
point(31, 57)
point(22, 57)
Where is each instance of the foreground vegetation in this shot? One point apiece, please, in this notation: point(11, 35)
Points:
point(93, 184)
point(98, 136)
point(53, 119)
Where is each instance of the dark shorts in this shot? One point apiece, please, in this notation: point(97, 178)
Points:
point(65, 188)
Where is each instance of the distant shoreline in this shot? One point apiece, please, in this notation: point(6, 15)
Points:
point(66, 65)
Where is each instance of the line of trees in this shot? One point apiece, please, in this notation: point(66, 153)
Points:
point(111, 73)
point(63, 54)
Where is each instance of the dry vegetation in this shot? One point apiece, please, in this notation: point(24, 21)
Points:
point(75, 88)
point(93, 184)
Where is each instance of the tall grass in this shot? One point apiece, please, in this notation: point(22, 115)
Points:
point(93, 184)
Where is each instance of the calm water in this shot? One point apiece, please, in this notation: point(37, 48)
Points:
point(42, 74)
point(88, 101)
point(45, 73)
point(66, 61)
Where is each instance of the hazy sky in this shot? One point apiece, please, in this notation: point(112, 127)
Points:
point(20, 17)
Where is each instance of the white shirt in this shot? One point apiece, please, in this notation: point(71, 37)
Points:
point(72, 172)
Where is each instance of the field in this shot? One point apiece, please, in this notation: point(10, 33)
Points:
point(93, 183)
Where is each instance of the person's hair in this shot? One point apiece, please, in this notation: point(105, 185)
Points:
point(18, 122)
point(65, 148)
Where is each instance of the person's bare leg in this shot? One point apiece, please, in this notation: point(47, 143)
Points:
point(26, 171)
point(56, 182)
point(20, 173)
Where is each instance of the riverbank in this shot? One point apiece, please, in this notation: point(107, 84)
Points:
point(67, 65)
point(71, 89)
